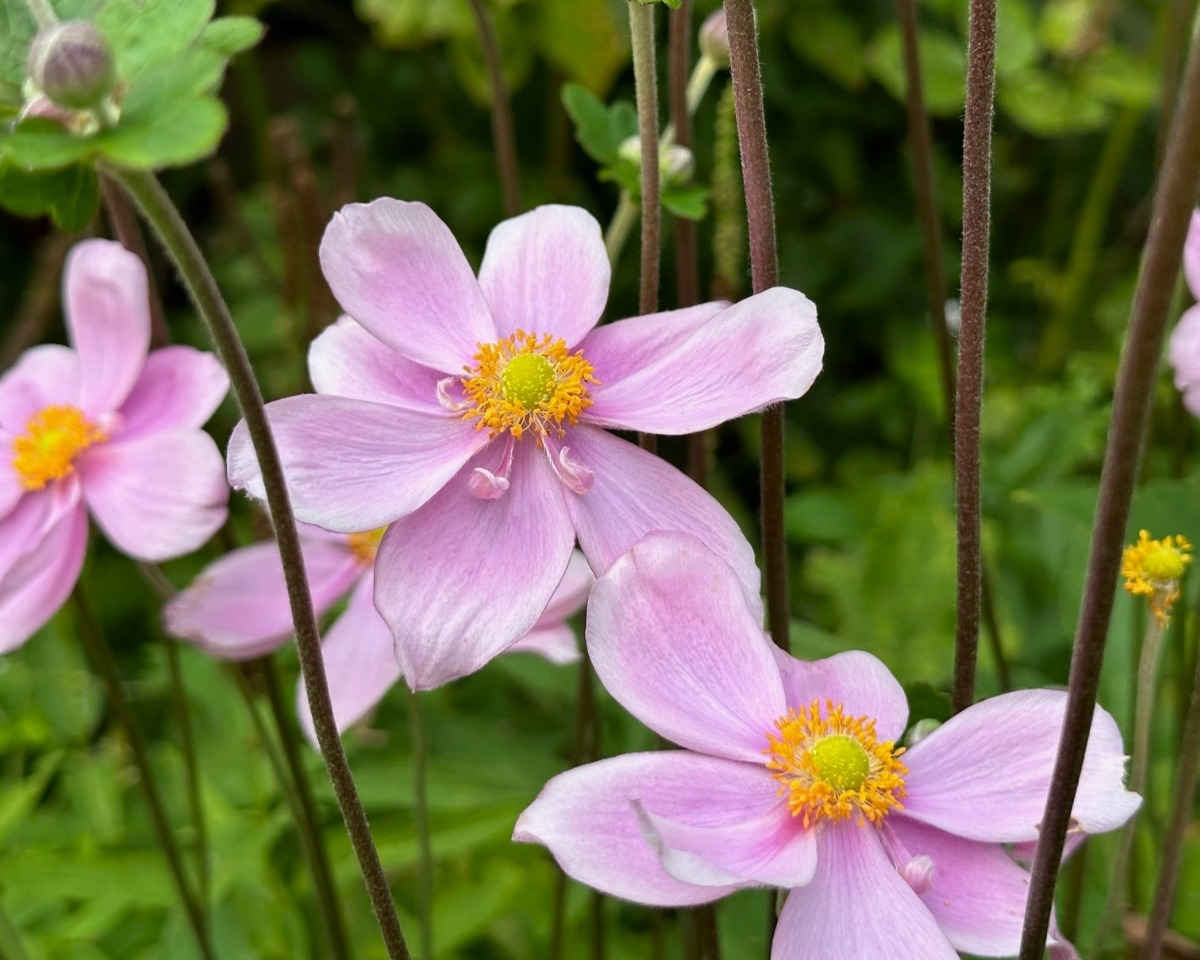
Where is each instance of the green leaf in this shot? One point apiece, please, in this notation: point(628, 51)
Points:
point(587, 39)
point(943, 68)
point(17, 28)
point(148, 32)
point(227, 36)
point(592, 127)
point(689, 203)
point(68, 196)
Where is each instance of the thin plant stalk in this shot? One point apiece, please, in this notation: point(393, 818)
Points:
point(645, 81)
point(160, 212)
point(309, 822)
point(11, 945)
point(420, 749)
point(619, 226)
point(968, 405)
point(1173, 200)
point(1188, 766)
point(191, 767)
point(124, 222)
point(1143, 722)
point(502, 120)
point(764, 274)
point(709, 935)
point(102, 658)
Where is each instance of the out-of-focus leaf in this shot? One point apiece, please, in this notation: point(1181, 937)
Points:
point(943, 68)
point(1048, 107)
point(69, 196)
point(17, 28)
point(17, 802)
point(600, 130)
point(227, 36)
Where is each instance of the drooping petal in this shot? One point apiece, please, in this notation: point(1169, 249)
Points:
point(360, 664)
point(588, 818)
point(557, 643)
point(985, 773)
point(571, 593)
point(1184, 356)
point(763, 350)
point(33, 590)
point(354, 466)
point(857, 680)
point(634, 493)
point(546, 271)
point(1191, 255)
point(397, 270)
point(179, 388)
point(347, 361)
point(237, 608)
point(672, 639)
point(32, 517)
point(158, 496)
point(857, 905)
point(107, 303)
point(978, 893)
point(45, 376)
point(463, 578)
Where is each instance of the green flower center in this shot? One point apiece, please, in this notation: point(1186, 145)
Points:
point(528, 379)
point(840, 761)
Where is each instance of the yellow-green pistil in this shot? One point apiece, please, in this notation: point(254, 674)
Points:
point(528, 379)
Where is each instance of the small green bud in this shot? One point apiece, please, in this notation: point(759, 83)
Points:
point(714, 38)
point(72, 64)
point(676, 164)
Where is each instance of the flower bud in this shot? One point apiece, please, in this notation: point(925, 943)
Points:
point(676, 164)
point(630, 151)
point(714, 38)
point(72, 64)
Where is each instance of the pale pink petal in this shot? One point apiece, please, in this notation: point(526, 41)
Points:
point(984, 774)
point(347, 361)
point(397, 270)
point(857, 906)
point(107, 303)
point(760, 351)
point(672, 639)
point(1183, 353)
point(978, 893)
point(588, 818)
point(45, 376)
point(360, 665)
point(1191, 255)
point(557, 643)
point(463, 578)
point(571, 593)
point(158, 496)
point(33, 590)
point(352, 465)
point(546, 271)
point(635, 493)
point(619, 350)
point(32, 517)
point(237, 608)
point(180, 388)
point(11, 488)
point(856, 680)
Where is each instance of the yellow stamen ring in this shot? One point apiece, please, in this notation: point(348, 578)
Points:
point(54, 439)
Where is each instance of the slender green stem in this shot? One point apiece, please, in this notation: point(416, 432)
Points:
point(1147, 674)
point(309, 821)
point(968, 406)
point(101, 656)
point(619, 227)
point(1173, 201)
point(502, 121)
point(1177, 826)
point(420, 749)
point(187, 743)
point(42, 12)
point(764, 274)
point(645, 81)
point(11, 945)
point(160, 212)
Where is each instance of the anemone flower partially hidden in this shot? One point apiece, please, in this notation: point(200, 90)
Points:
point(791, 777)
point(1183, 351)
point(102, 428)
point(469, 415)
point(237, 608)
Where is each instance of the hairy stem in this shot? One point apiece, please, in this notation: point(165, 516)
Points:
point(645, 81)
point(1173, 198)
point(619, 226)
point(502, 120)
point(160, 212)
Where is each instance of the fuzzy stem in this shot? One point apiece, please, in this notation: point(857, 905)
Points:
point(764, 274)
point(102, 658)
point(420, 749)
point(1173, 199)
point(645, 82)
point(619, 227)
point(502, 120)
point(160, 212)
point(1177, 826)
point(1143, 717)
point(977, 193)
point(308, 820)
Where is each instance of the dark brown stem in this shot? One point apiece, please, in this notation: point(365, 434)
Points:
point(709, 935)
point(502, 119)
point(1173, 201)
point(645, 81)
point(41, 301)
point(345, 151)
point(123, 219)
point(764, 274)
point(977, 195)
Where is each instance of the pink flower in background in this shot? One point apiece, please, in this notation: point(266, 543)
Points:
point(791, 778)
point(237, 608)
point(102, 427)
point(468, 416)
point(1184, 348)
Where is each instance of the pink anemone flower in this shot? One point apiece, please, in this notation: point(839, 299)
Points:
point(1184, 348)
point(469, 416)
point(237, 608)
point(791, 777)
point(102, 427)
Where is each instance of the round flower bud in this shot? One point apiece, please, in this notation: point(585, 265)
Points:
point(714, 38)
point(72, 64)
point(677, 164)
point(630, 151)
